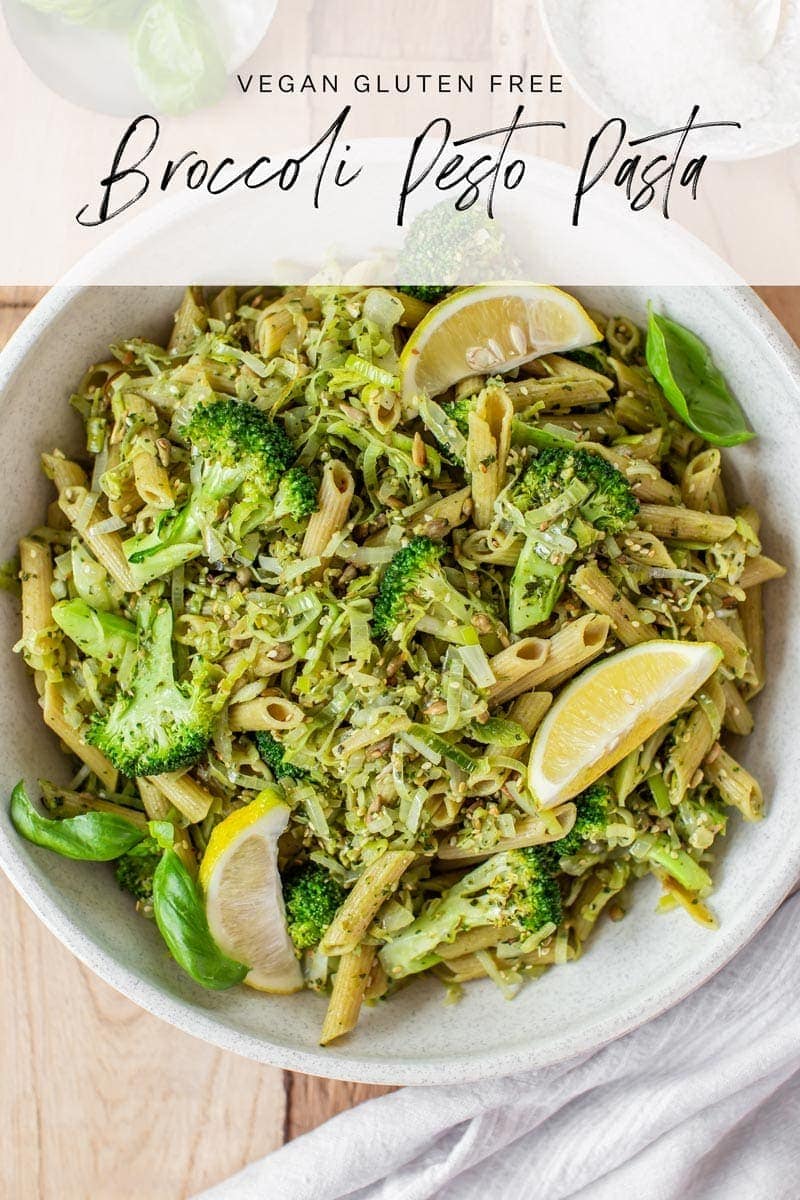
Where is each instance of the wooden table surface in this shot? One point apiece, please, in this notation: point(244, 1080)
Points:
point(101, 1101)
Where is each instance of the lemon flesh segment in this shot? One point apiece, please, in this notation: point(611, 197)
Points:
point(244, 900)
point(489, 330)
point(611, 709)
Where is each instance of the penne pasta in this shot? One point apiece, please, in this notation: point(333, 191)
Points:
point(152, 481)
point(98, 764)
point(36, 578)
point(598, 593)
point(685, 524)
point(191, 319)
point(700, 486)
point(184, 793)
point(267, 712)
point(514, 667)
point(531, 662)
point(347, 994)
point(531, 831)
point(738, 719)
point(372, 888)
point(488, 444)
point(694, 737)
point(735, 785)
point(158, 808)
point(335, 496)
point(760, 569)
point(751, 616)
point(529, 710)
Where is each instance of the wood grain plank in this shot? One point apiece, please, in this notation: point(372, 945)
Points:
point(311, 1101)
point(785, 303)
point(101, 1099)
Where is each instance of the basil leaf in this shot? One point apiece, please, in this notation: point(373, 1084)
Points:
point(693, 384)
point(90, 837)
point(181, 918)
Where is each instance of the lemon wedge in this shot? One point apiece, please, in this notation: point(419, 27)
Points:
point(244, 901)
point(611, 709)
point(488, 330)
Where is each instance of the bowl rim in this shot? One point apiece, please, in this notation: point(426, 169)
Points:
point(344, 1063)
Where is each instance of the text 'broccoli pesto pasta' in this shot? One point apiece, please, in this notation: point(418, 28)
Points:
point(323, 581)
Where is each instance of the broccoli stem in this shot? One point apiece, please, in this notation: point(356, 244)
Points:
point(101, 635)
point(535, 589)
point(679, 865)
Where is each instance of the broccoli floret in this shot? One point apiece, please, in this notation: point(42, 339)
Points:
point(565, 496)
point(458, 411)
point(274, 755)
point(594, 810)
point(296, 496)
point(443, 244)
point(414, 588)
point(511, 889)
point(156, 725)
point(428, 295)
point(239, 456)
point(311, 896)
point(608, 504)
point(103, 636)
point(135, 870)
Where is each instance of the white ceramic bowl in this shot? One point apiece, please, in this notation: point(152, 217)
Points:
point(773, 128)
point(634, 969)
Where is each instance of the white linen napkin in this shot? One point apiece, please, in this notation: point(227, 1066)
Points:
point(702, 1103)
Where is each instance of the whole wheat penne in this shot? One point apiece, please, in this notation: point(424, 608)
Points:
point(529, 710)
point(533, 664)
point(372, 888)
point(598, 592)
point(152, 481)
point(726, 633)
point(158, 808)
point(191, 320)
point(185, 794)
point(751, 616)
point(760, 569)
point(530, 831)
point(347, 994)
point(699, 482)
point(684, 524)
point(735, 785)
point(694, 737)
point(571, 649)
point(36, 578)
point(487, 451)
point(98, 764)
point(738, 717)
point(514, 666)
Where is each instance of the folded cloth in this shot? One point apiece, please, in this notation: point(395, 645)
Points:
point(702, 1103)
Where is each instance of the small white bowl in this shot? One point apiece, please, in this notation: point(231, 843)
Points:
point(776, 125)
point(632, 970)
